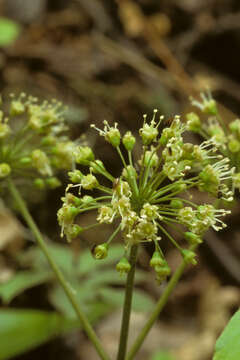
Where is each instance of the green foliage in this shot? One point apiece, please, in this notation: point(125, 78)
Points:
point(22, 330)
point(162, 355)
point(9, 31)
point(20, 282)
point(91, 280)
point(228, 344)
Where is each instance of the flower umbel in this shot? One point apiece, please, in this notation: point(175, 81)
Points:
point(33, 142)
point(152, 192)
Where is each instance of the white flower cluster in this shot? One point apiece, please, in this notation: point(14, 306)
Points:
point(32, 141)
point(146, 198)
point(201, 219)
point(136, 228)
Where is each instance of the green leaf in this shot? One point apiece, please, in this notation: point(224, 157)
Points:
point(115, 297)
point(22, 330)
point(228, 344)
point(162, 355)
point(20, 282)
point(9, 31)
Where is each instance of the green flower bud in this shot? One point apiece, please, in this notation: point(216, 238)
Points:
point(234, 145)
point(74, 231)
point(180, 187)
point(97, 166)
point(236, 180)
point(75, 176)
point(129, 171)
point(89, 182)
point(70, 212)
point(84, 155)
point(123, 266)
point(100, 251)
point(157, 260)
point(128, 141)
point(53, 182)
point(4, 130)
point(49, 140)
point(39, 183)
point(192, 238)
point(235, 126)
point(25, 160)
point(189, 256)
point(5, 170)
point(16, 108)
point(87, 199)
point(151, 159)
point(210, 107)
point(176, 204)
point(193, 122)
point(41, 162)
point(113, 136)
point(148, 133)
point(163, 270)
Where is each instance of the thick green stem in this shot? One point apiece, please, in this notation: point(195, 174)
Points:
point(65, 285)
point(127, 305)
point(158, 308)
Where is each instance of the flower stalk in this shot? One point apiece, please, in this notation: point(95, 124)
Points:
point(58, 273)
point(127, 305)
point(159, 307)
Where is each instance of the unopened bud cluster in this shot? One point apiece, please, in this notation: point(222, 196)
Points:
point(226, 137)
point(152, 192)
point(33, 141)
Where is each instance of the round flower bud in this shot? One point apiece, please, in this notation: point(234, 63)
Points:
point(87, 199)
point(123, 266)
point(192, 238)
point(163, 270)
point(16, 108)
point(210, 107)
point(89, 182)
point(97, 166)
point(129, 171)
point(4, 130)
point(70, 212)
point(148, 133)
point(41, 162)
point(100, 251)
point(151, 158)
point(193, 122)
point(234, 145)
point(113, 136)
point(236, 180)
point(49, 140)
point(157, 260)
point(235, 126)
point(189, 256)
point(74, 231)
point(25, 160)
point(53, 182)
point(5, 170)
point(176, 204)
point(128, 141)
point(84, 155)
point(75, 176)
point(39, 183)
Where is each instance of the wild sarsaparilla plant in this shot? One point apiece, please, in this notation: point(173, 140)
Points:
point(34, 147)
point(151, 194)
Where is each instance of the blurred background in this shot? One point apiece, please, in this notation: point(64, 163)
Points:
point(115, 60)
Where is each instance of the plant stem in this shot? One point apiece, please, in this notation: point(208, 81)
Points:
point(59, 275)
point(127, 305)
point(158, 308)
